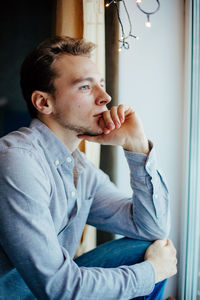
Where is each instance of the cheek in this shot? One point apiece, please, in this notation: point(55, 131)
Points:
point(84, 110)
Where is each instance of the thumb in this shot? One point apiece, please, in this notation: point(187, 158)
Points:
point(162, 243)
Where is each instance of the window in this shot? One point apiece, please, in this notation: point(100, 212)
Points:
point(189, 263)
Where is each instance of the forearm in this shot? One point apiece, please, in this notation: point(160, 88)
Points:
point(150, 198)
point(124, 282)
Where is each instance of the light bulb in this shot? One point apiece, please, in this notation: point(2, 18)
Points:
point(148, 24)
point(120, 49)
point(138, 1)
point(137, 37)
point(107, 4)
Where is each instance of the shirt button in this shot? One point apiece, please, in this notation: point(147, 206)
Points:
point(73, 194)
point(56, 162)
point(68, 159)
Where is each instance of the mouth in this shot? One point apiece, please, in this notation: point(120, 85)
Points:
point(99, 115)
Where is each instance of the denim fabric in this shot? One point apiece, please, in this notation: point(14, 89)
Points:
point(117, 253)
point(43, 211)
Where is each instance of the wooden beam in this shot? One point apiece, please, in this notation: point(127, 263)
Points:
point(69, 18)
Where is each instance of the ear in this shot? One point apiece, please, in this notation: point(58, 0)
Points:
point(42, 102)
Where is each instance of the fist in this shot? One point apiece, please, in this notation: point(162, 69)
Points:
point(121, 126)
point(162, 255)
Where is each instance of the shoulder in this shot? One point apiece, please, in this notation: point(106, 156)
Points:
point(21, 138)
point(19, 150)
point(23, 141)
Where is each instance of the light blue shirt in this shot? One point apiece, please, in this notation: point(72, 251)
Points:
point(47, 195)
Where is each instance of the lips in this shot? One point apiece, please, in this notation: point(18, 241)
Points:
point(99, 114)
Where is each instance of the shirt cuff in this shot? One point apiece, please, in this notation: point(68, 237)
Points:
point(141, 164)
point(145, 278)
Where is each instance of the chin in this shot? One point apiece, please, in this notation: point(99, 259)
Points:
point(91, 131)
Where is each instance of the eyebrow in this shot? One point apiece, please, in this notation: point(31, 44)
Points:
point(81, 79)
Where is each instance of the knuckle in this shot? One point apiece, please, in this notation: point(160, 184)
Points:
point(121, 106)
point(113, 108)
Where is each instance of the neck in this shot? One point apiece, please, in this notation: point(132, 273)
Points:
point(65, 135)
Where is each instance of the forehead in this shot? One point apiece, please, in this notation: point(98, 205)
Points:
point(72, 67)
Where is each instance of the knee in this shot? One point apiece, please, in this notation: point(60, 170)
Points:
point(134, 250)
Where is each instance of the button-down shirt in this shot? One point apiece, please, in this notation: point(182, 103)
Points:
point(44, 208)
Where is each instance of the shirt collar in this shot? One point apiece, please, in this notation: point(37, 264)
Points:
point(56, 149)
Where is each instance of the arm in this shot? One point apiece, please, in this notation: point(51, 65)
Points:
point(146, 215)
point(29, 239)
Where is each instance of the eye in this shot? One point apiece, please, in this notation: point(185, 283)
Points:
point(85, 87)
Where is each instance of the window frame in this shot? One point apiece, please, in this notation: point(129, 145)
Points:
point(189, 259)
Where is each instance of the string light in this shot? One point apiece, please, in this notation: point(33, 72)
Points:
point(148, 23)
point(123, 40)
point(109, 3)
point(147, 13)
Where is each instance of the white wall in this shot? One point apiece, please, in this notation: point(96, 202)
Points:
point(151, 81)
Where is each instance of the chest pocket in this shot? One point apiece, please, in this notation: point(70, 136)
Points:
point(74, 213)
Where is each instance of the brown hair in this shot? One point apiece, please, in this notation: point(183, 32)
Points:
point(37, 72)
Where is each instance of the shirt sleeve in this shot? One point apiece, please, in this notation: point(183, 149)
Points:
point(28, 237)
point(144, 216)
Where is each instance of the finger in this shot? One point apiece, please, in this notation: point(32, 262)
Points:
point(171, 248)
point(115, 117)
point(108, 120)
point(121, 112)
point(171, 245)
point(124, 110)
point(175, 270)
point(102, 124)
point(174, 252)
point(169, 242)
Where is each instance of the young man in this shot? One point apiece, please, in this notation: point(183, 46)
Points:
point(49, 190)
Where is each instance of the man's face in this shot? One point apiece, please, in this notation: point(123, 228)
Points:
point(80, 97)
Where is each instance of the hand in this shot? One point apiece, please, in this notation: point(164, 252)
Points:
point(121, 126)
point(162, 255)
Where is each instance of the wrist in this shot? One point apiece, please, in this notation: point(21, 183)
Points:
point(137, 146)
point(155, 269)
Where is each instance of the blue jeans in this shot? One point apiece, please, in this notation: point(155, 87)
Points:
point(120, 252)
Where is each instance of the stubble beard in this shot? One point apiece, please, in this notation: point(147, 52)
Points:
point(79, 130)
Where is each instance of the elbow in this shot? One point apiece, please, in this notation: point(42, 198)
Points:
point(157, 230)
point(161, 231)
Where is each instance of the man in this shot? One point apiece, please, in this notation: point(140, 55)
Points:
point(49, 190)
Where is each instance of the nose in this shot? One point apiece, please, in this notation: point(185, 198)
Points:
point(102, 97)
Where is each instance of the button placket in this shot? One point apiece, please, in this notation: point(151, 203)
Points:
point(73, 193)
point(68, 159)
